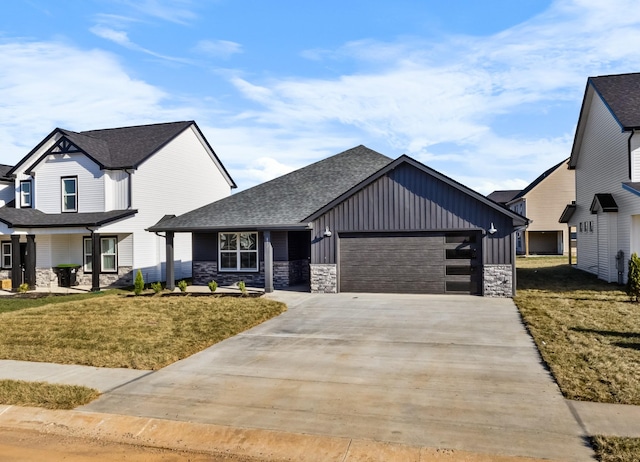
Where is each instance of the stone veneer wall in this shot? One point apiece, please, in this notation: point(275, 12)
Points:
point(498, 280)
point(324, 278)
point(47, 277)
point(207, 271)
point(123, 278)
point(290, 273)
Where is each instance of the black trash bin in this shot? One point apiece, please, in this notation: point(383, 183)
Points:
point(67, 275)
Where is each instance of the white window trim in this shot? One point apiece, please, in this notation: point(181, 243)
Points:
point(238, 252)
point(23, 202)
point(9, 254)
point(64, 194)
point(102, 255)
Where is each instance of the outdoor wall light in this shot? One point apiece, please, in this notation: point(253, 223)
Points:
point(327, 232)
point(493, 229)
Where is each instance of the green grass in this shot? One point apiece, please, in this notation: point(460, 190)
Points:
point(130, 332)
point(47, 395)
point(22, 301)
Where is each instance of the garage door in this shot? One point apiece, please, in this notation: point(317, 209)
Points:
point(409, 263)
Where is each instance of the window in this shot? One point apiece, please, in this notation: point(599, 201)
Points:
point(238, 251)
point(108, 255)
point(6, 255)
point(70, 194)
point(25, 194)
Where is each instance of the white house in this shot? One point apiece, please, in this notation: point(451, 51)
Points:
point(606, 160)
point(86, 198)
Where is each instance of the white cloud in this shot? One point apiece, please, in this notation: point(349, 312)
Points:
point(45, 85)
point(177, 11)
point(218, 48)
point(415, 94)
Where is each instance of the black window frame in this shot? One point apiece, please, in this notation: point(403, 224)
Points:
point(238, 251)
point(2, 254)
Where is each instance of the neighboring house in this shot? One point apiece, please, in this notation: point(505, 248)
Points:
point(542, 202)
point(503, 196)
point(355, 222)
point(606, 160)
point(86, 199)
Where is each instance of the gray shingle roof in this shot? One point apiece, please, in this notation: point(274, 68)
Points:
point(33, 218)
point(621, 93)
point(503, 196)
point(124, 147)
point(287, 200)
point(4, 170)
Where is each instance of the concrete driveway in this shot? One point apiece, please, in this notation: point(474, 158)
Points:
point(455, 372)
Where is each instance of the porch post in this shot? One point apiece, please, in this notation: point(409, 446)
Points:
point(569, 235)
point(526, 243)
point(170, 275)
point(16, 262)
point(96, 266)
point(268, 262)
point(30, 262)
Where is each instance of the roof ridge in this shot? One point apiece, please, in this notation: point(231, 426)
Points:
point(138, 126)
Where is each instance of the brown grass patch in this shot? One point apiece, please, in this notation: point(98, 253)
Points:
point(131, 332)
point(587, 331)
point(616, 449)
point(47, 395)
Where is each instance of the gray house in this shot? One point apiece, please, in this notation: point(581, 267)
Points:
point(354, 222)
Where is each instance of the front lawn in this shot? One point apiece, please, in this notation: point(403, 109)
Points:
point(132, 332)
point(587, 331)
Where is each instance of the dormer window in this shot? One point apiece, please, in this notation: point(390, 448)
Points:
point(26, 194)
point(70, 194)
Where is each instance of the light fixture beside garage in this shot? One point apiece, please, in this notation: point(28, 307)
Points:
point(492, 229)
point(327, 232)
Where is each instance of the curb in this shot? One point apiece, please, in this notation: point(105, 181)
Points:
point(222, 440)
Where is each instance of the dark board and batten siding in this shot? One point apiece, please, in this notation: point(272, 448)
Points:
point(409, 199)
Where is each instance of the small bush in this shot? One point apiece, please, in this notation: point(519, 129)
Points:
point(138, 285)
point(243, 287)
point(633, 279)
point(157, 287)
point(213, 285)
point(24, 287)
point(183, 286)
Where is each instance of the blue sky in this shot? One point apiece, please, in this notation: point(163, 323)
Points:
point(487, 93)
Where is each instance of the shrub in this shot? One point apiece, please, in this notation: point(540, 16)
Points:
point(157, 287)
point(24, 287)
point(213, 285)
point(182, 285)
point(243, 287)
point(633, 279)
point(138, 285)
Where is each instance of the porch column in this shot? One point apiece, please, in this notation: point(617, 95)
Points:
point(170, 275)
point(268, 262)
point(30, 262)
point(526, 243)
point(16, 262)
point(96, 262)
point(569, 234)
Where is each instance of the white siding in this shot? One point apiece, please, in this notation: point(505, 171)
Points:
point(66, 248)
point(180, 177)
point(43, 251)
point(602, 167)
point(47, 185)
point(116, 185)
point(7, 193)
point(635, 159)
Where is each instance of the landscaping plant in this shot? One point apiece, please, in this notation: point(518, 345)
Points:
point(157, 287)
point(243, 287)
point(182, 285)
point(213, 286)
point(633, 281)
point(138, 285)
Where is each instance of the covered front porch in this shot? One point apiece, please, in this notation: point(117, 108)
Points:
point(261, 258)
